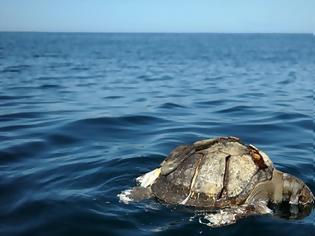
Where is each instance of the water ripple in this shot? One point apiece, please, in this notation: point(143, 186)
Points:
point(79, 123)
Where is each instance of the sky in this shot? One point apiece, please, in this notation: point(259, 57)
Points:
point(216, 16)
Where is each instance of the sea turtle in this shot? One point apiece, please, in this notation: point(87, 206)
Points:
point(223, 175)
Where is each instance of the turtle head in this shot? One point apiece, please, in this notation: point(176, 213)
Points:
point(296, 191)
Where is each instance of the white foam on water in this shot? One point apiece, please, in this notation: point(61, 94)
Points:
point(220, 218)
point(125, 197)
point(148, 179)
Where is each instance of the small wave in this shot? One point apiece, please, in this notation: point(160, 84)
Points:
point(121, 120)
point(289, 116)
point(170, 105)
point(61, 139)
point(141, 162)
point(6, 97)
point(19, 115)
point(14, 127)
point(113, 129)
point(17, 68)
point(22, 151)
point(79, 68)
point(237, 109)
point(290, 78)
point(53, 78)
point(132, 67)
point(46, 55)
point(212, 102)
point(50, 86)
point(161, 78)
point(214, 78)
point(86, 84)
point(113, 97)
point(142, 77)
point(254, 94)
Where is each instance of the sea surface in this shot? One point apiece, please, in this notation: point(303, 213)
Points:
point(82, 115)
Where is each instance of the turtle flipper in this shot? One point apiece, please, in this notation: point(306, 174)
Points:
point(261, 208)
point(229, 216)
point(135, 194)
point(148, 179)
point(141, 192)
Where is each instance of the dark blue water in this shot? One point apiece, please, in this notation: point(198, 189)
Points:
point(82, 115)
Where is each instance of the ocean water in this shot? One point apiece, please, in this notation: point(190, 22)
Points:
point(82, 115)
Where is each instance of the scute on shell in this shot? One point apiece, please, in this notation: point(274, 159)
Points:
point(221, 172)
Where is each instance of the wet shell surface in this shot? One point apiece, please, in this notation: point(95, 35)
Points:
point(212, 173)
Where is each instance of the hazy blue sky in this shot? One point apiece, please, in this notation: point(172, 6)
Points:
point(158, 15)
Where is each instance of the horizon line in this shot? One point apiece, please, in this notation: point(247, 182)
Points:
point(148, 32)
